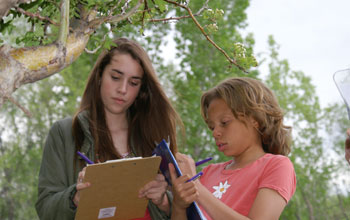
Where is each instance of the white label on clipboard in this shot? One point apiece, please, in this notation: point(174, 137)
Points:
point(106, 212)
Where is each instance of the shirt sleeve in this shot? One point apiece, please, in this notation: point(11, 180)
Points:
point(279, 175)
point(54, 191)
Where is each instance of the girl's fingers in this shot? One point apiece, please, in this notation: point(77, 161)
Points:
point(159, 185)
point(160, 178)
point(81, 186)
point(173, 175)
point(186, 164)
point(153, 192)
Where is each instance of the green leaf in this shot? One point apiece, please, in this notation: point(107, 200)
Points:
point(141, 30)
point(33, 4)
point(161, 5)
point(39, 30)
point(208, 14)
point(212, 28)
point(108, 43)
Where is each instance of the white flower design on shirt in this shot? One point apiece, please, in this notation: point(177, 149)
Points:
point(221, 189)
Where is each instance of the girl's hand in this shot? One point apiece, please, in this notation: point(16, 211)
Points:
point(155, 191)
point(184, 192)
point(80, 186)
point(186, 164)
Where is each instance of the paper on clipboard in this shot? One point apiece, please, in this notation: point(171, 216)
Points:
point(113, 193)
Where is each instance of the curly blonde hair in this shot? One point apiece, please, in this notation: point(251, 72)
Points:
point(251, 98)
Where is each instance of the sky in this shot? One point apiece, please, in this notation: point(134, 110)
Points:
point(314, 36)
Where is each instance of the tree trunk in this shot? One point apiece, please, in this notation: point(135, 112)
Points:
point(341, 205)
point(308, 204)
point(27, 65)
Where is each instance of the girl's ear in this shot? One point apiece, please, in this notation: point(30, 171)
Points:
point(254, 123)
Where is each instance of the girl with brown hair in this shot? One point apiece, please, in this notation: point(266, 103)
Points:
point(247, 125)
point(123, 112)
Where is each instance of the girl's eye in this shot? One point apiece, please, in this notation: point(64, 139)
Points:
point(224, 123)
point(115, 77)
point(134, 83)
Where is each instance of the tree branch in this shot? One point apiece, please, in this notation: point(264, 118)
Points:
point(205, 6)
point(125, 15)
point(37, 15)
point(114, 7)
point(64, 26)
point(26, 111)
point(169, 19)
point(232, 61)
point(97, 48)
point(19, 66)
point(114, 19)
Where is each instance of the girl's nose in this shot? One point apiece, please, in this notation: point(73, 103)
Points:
point(216, 133)
point(123, 87)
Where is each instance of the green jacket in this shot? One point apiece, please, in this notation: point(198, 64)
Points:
point(57, 177)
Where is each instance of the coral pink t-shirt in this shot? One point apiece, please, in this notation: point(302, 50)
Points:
point(238, 188)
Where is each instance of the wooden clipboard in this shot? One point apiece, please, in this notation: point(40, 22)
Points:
point(113, 193)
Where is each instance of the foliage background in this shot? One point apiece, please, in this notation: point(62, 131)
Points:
point(317, 153)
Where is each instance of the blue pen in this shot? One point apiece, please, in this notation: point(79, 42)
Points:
point(85, 158)
point(203, 161)
point(195, 177)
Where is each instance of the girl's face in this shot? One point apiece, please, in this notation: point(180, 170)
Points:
point(233, 137)
point(120, 84)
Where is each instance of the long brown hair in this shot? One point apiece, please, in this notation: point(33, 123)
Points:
point(251, 97)
point(151, 117)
